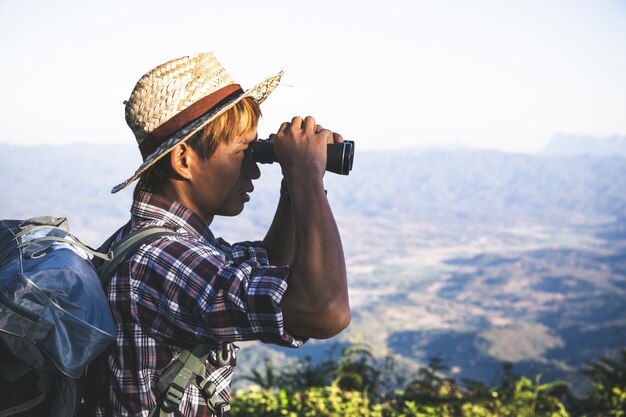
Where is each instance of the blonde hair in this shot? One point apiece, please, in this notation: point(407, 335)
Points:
point(238, 120)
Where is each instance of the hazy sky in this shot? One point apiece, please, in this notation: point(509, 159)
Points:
point(389, 74)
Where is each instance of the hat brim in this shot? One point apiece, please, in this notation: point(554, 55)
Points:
point(259, 93)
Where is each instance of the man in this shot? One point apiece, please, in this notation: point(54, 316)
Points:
point(194, 126)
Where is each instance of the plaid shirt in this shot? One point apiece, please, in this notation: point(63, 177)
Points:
point(180, 291)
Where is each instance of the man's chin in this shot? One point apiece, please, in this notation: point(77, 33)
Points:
point(231, 211)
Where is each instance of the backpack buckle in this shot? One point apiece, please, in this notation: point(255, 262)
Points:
point(222, 355)
point(207, 389)
point(222, 409)
point(172, 399)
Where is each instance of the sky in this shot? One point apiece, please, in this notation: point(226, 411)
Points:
point(398, 74)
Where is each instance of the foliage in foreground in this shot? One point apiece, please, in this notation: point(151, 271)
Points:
point(357, 385)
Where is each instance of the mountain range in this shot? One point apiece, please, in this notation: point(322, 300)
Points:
point(480, 257)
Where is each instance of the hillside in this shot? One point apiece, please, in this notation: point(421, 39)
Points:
point(477, 256)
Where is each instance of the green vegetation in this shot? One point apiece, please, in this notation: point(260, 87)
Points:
point(357, 384)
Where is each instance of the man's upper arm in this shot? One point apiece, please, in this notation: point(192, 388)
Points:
point(196, 294)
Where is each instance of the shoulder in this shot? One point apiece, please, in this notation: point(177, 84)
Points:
point(188, 252)
point(181, 249)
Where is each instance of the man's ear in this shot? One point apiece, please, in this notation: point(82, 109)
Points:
point(181, 158)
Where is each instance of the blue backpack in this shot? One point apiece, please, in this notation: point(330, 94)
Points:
point(55, 318)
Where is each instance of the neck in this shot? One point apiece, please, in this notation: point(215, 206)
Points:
point(177, 191)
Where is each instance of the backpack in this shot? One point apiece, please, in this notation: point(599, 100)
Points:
point(55, 319)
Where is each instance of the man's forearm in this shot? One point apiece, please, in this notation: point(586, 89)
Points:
point(316, 303)
point(280, 240)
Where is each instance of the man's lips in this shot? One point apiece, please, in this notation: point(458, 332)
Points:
point(246, 194)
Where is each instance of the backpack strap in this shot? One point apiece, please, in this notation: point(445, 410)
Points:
point(12, 370)
point(68, 240)
point(188, 368)
point(120, 251)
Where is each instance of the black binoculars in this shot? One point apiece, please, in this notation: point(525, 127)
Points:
point(339, 155)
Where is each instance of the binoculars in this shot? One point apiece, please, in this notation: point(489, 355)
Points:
point(340, 156)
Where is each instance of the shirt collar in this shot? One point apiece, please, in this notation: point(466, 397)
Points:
point(155, 209)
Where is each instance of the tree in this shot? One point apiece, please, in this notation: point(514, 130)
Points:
point(608, 396)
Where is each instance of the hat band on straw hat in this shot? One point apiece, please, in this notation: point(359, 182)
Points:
point(155, 138)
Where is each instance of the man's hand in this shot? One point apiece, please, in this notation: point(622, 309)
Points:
point(300, 147)
point(337, 138)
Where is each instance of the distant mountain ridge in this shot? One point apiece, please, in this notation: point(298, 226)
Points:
point(485, 186)
point(586, 145)
point(433, 186)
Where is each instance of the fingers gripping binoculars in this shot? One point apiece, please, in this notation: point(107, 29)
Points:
point(340, 156)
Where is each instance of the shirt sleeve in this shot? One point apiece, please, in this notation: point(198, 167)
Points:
point(192, 293)
point(241, 251)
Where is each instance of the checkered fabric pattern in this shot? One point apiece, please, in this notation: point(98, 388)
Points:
point(180, 291)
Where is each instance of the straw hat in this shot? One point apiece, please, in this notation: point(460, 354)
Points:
point(175, 100)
